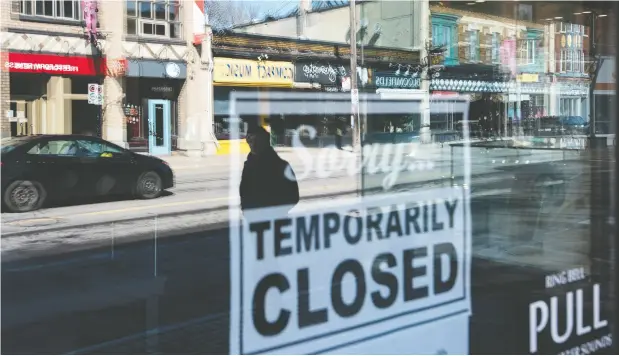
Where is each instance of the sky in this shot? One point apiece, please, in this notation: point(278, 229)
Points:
point(273, 7)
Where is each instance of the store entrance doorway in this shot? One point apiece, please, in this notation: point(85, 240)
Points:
point(159, 134)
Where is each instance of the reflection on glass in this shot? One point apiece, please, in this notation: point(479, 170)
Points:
point(173, 10)
point(542, 279)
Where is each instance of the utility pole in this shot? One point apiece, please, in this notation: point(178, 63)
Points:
point(425, 43)
point(593, 58)
point(354, 92)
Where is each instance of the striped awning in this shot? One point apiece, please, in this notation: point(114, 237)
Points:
point(472, 86)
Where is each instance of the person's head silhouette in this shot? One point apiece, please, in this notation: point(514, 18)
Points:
point(258, 139)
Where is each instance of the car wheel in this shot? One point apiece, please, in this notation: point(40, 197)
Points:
point(149, 185)
point(24, 195)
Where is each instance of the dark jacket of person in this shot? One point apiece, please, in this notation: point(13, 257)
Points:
point(264, 182)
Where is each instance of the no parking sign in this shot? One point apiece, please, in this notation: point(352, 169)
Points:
point(95, 94)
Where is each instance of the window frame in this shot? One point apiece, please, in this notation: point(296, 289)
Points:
point(576, 63)
point(496, 48)
point(582, 61)
point(562, 63)
point(531, 48)
point(136, 17)
point(46, 143)
point(76, 6)
point(446, 38)
point(474, 55)
point(109, 147)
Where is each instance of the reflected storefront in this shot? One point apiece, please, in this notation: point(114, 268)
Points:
point(49, 93)
point(400, 84)
point(487, 240)
point(543, 268)
point(232, 74)
point(330, 77)
point(486, 87)
point(151, 104)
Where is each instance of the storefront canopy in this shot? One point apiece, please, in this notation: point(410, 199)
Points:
point(475, 86)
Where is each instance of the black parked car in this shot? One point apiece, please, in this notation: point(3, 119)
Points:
point(41, 168)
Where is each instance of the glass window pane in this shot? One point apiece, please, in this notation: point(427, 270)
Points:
point(160, 29)
point(39, 7)
point(68, 9)
point(175, 30)
point(147, 28)
point(160, 8)
point(483, 223)
point(48, 8)
point(146, 10)
point(26, 7)
point(174, 10)
point(131, 8)
point(131, 26)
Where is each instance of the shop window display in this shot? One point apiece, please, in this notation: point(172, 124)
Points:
point(477, 215)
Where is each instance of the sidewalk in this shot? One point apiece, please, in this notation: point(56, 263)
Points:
point(435, 153)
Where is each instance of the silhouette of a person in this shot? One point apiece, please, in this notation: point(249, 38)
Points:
point(267, 180)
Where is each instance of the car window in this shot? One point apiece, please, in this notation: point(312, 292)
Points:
point(10, 143)
point(55, 148)
point(96, 148)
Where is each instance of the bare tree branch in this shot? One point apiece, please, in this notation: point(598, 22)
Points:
point(225, 14)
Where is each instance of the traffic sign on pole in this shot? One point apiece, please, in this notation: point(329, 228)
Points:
point(99, 95)
point(93, 90)
point(95, 94)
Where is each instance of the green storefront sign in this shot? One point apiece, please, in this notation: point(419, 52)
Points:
point(390, 80)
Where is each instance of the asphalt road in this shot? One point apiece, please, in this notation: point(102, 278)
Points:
point(202, 197)
point(153, 276)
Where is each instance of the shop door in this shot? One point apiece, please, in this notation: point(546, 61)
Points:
point(159, 134)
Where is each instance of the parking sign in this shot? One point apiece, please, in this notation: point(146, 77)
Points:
point(95, 94)
point(93, 90)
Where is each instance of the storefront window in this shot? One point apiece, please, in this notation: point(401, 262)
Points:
point(450, 187)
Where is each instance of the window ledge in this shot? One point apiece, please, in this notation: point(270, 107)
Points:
point(49, 20)
point(148, 39)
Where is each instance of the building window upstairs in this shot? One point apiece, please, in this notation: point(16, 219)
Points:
point(474, 46)
point(442, 36)
point(496, 48)
point(63, 10)
point(531, 49)
point(445, 34)
point(158, 19)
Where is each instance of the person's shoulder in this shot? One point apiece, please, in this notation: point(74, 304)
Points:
point(282, 161)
